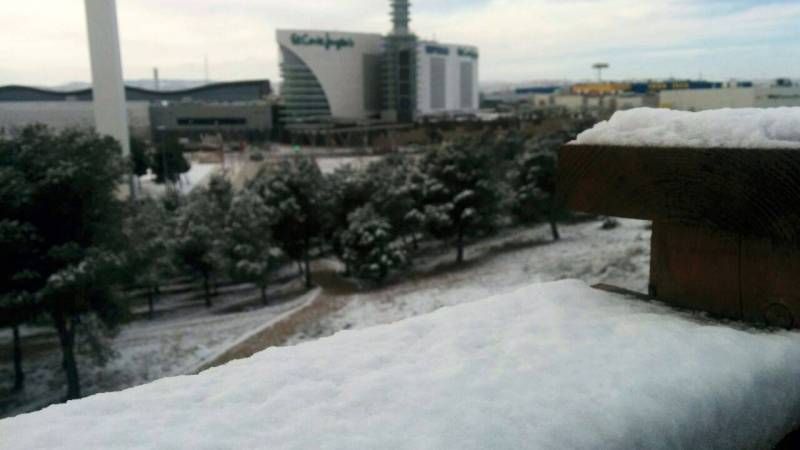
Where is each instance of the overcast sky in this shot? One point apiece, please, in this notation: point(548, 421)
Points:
point(43, 42)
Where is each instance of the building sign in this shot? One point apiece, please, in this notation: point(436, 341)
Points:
point(326, 41)
point(468, 53)
point(437, 50)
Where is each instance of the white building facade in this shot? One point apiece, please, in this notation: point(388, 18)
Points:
point(330, 75)
point(447, 79)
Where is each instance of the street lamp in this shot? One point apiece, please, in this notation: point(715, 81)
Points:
point(600, 67)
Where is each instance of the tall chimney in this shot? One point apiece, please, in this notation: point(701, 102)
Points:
point(156, 80)
point(110, 110)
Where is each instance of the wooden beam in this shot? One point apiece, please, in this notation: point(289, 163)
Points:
point(750, 192)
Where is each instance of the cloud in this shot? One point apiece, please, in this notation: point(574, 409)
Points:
point(45, 40)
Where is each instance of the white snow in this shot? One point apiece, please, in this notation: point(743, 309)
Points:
point(329, 165)
point(549, 366)
point(620, 257)
point(198, 174)
point(731, 128)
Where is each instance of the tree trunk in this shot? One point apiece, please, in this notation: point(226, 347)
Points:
point(66, 337)
point(460, 245)
point(554, 229)
point(151, 303)
point(264, 294)
point(207, 289)
point(19, 375)
point(216, 285)
point(307, 260)
point(553, 224)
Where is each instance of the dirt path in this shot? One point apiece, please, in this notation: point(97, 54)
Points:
point(334, 294)
point(337, 292)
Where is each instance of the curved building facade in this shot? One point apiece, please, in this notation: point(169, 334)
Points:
point(329, 75)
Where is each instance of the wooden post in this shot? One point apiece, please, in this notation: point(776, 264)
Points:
point(726, 222)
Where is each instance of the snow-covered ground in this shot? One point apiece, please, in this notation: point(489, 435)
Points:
point(329, 165)
point(546, 366)
point(174, 343)
point(197, 175)
point(734, 128)
point(501, 264)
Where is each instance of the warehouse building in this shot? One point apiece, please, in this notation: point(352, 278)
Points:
point(238, 109)
point(769, 96)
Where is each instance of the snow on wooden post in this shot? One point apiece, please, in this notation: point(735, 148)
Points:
point(726, 221)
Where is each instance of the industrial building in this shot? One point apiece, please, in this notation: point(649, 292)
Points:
point(238, 109)
point(690, 95)
point(770, 96)
point(335, 78)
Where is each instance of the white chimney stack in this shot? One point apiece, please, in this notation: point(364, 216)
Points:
point(110, 111)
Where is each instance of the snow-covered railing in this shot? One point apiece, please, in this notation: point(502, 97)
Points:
point(723, 191)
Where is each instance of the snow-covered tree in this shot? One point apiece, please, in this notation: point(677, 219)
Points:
point(533, 183)
point(294, 190)
point(347, 189)
point(252, 254)
point(395, 193)
point(18, 280)
point(460, 194)
point(148, 230)
point(72, 178)
point(370, 246)
point(140, 158)
point(198, 239)
point(18, 265)
point(168, 162)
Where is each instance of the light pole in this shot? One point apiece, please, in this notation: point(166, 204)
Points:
point(600, 67)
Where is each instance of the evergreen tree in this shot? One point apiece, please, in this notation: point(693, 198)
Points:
point(415, 187)
point(73, 178)
point(294, 190)
point(18, 279)
point(18, 265)
point(139, 158)
point(252, 254)
point(394, 193)
point(220, 193)
point(347, 190)
point(533, 182)
point(197, 240)
point(460, 193)
point(370, 248)
point(148, 262)
point(168, 162)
